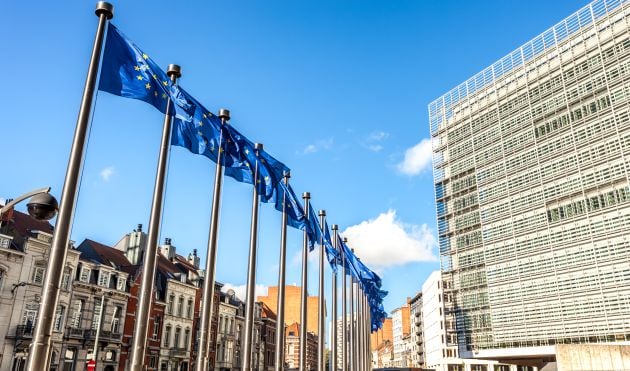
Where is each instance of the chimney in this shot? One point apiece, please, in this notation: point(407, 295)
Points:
point(194, 259)
point(139, 229)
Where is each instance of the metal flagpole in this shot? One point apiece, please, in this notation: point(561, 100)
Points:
point(344, 316)
point(333, 320)
point(359, 329)
point(352, 355)
point(321, 306)
point(251, 272)
point(368, 326)
point(40, 347)
point(98, 327)
point(211, 256)
point(141, 327)
point(304, 290)
point(279, 359)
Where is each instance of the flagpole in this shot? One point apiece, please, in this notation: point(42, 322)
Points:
point(40, 347)
point(358, 328)
point(211, 256)
point(351, 327)
point(251, 271)
point(368, 327)
point(344, 316)
point(333, 320)
point(304, 289)
point(321, 309)
point(279, 359)
point(150, 257)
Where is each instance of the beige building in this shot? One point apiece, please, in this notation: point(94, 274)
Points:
point(400, 331)
point(292, 348)
point(24, 251)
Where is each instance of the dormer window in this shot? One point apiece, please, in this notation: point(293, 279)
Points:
point(122, 284)
point(103, 279)
point(85, 275)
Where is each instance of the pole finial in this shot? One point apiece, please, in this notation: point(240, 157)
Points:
point(334, 227)
point(174, 69)
point(345, 239)
point(322, 213)
point(286, 174)
point(103, 7)
point(224, 113)
point(306, 195)
point(258, 146)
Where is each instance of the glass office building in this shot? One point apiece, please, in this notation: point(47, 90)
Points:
point(531, 159)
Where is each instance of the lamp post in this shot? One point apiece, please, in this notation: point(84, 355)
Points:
point(42, 206)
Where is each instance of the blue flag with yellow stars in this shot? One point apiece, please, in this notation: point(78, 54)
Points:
point(204, 134)
point(294, 209)
point(128, 72)
point(270, 170)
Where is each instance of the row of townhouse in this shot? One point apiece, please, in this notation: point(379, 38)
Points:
point(98, 300)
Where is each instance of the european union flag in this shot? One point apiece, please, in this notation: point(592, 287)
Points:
point(294, 209)
point(270, 170)
point(128, 72)
point(204, 133)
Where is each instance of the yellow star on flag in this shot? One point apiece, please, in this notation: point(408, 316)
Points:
point(139, 77)
point(148, 86)
point(145, 56)
point(165, 83)
point(136, 68)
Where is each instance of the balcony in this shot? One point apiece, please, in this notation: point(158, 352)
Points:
point(112, 337)
point(178, 352)
point(90, 334)
point(74, 333)
point(24, 331)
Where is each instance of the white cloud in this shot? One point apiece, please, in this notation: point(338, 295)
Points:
point(417, 158)
point(322, 144)
point(373, 141)
point(107, 173)
point(240, 290)
point(386, 241)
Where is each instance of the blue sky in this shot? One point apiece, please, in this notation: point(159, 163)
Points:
point(337, 90)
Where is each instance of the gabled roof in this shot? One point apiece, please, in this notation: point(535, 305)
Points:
point(96, 252)
point(266, 312)
point(20, 225)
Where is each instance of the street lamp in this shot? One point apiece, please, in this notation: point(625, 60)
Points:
point(42, 206)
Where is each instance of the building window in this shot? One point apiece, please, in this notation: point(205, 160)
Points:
point(152, 362)
point(167, 335)
point(96, 317)
point(65, 279)
point(4, 243)
point(76, 317)
point(178, 331)
point(116, 320)
point(59, 318)
point(186, 338)
point(180, 306)
point(38, 273)
point(2, 275)
point(171, 302)
point(85, 275)
point(156, 327)
point(189, 309)
point(103, 279)
point(122, 284)
point(29, 315)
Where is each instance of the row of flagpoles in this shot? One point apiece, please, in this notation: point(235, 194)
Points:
point(126, 71)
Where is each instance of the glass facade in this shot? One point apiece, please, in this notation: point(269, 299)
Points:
point(531, 163)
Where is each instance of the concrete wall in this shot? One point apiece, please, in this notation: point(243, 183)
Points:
point(592, 357)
